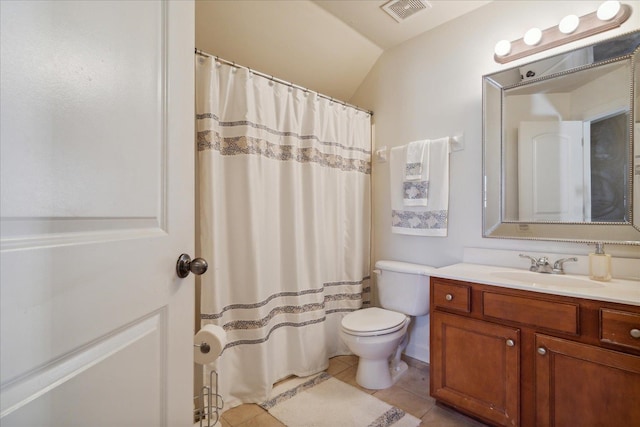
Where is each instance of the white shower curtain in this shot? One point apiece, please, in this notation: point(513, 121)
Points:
point(284, 217)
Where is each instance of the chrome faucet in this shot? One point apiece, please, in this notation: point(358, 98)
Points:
point(541, 265)
point(558, 266)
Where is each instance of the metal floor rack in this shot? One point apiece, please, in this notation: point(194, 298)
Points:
point(208, 408)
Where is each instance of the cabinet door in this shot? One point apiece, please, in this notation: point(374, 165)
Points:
point(475, 367)
point(583, 385)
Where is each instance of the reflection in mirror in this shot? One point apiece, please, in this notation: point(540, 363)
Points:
point(609, 182)
point(565, 138)
point(558, 146)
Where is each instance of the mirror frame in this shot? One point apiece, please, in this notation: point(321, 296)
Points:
point(493, 155)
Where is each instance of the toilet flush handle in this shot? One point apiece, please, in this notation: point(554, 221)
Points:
point(377, 272)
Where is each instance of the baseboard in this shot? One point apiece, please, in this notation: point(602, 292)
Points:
point(418, 352)
point(415, 363)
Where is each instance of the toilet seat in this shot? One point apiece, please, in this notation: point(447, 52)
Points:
point(373, 321)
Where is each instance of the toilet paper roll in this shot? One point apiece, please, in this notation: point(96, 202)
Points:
point(212, 336)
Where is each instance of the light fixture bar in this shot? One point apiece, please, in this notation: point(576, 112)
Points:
point(553, 37)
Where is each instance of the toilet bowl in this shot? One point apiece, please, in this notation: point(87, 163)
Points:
point(374, 335)
point(379, 335)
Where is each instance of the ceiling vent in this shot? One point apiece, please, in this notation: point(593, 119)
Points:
point(403, 9)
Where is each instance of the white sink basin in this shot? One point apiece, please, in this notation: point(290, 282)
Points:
point(541, 280)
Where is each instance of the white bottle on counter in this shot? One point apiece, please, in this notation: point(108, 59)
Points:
point(600, 264)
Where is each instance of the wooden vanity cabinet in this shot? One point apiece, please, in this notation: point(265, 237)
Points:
point(478, 367)
point(519, 358)
point(584, 385)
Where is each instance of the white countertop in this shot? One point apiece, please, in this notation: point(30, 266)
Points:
point(616, 290)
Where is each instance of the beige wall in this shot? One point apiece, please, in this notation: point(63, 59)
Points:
point(431, 86)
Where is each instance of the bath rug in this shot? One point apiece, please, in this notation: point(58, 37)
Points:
point(323, 401)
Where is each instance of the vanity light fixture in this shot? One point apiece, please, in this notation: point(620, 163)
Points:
point(608, 10)
point(610, 14)
point(569, 24)
point(532, 37)
point(503, 48)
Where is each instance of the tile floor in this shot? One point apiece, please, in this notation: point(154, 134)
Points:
point(410, 393)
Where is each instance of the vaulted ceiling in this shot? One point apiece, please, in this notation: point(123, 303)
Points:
point(325, 45)
point(369, 19)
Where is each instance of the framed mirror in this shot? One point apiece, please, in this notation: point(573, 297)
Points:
point(559, 158)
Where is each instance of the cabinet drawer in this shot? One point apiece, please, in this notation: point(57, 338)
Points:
point(620, 327)
point(557, 316)
point(452, 297)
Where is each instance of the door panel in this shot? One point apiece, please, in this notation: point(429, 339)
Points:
point(70, 70)
point(97, 204)
point(550, 171)
point(131, 357)
point(583, 385)
point(475, 367)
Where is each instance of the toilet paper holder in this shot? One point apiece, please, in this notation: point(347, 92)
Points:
point(210, 342)
point(210, 402)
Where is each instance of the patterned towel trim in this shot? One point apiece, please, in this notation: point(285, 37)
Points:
point(414, 190)
point(419, 220)
point(413, 170)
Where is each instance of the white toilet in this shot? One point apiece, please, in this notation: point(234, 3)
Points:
point(379, 335)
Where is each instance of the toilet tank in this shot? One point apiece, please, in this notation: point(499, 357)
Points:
point(403, 287)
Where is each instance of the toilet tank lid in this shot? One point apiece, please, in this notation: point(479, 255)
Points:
point(405, 267)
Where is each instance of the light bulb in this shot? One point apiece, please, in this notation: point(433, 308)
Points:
point(503, 48)
point(569, 24)
point(533, 37)
point(608, 10)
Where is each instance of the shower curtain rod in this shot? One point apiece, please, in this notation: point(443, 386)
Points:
point(284, 82)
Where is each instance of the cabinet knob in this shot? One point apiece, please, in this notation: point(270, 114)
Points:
point(448, 297)
point(510, 343)
point(542, 351)
point(635, 333)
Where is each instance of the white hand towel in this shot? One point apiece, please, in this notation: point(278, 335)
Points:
point(415, 187)
point(429, 220)
point(417, 162)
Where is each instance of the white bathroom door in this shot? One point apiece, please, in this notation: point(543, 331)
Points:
point(551, 171)
point(97, 203)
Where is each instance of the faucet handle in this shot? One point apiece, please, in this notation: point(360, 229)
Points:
point(534, 262)
point(559, 264)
